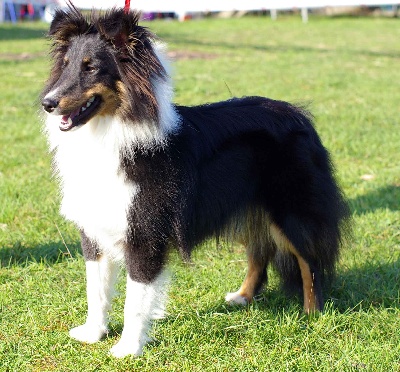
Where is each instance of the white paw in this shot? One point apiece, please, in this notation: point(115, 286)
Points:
point(158, 313)
point(235, 298)
point(123, 349)
point(88, 333)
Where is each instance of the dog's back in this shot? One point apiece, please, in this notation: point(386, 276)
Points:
point(252, 169)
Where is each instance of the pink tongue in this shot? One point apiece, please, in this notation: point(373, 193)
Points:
point(65, 118)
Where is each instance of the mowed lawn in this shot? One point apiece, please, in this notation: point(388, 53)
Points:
point(347, 71)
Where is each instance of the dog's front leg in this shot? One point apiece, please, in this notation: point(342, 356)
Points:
point(141, 305)
point(101, 274)
point(145, 293)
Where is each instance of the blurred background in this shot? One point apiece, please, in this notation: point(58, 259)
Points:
point(14, 10)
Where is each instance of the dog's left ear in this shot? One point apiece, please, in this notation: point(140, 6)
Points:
point(122, 31)
point(67, 24)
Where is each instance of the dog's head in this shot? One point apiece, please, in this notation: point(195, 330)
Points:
point(103, 65)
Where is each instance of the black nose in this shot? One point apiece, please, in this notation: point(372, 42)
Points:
point(49, 104)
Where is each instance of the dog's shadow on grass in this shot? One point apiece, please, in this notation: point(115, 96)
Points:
point(49, 253)
point(370, 285)
point(385, 197)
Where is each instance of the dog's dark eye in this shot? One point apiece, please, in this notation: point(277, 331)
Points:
point(89, 68)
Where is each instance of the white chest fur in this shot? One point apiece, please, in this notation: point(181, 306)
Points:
point(95, 193)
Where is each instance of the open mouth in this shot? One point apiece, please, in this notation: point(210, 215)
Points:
point(81, 115)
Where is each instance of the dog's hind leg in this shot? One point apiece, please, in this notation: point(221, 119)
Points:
point(254, 235)
point(310, 280)
point(101, 274)
point(253, 282)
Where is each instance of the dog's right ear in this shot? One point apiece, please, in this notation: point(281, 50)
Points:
point(122, 31)
point(66, 24)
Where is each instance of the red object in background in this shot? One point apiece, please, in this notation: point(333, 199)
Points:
point(127, 5)
point(31, 10)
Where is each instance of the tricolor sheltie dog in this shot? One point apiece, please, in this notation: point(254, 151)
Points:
point(139, 174)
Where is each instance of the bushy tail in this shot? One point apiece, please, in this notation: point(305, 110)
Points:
point(318, 240)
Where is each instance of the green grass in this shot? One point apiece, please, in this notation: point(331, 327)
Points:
point(347, 71)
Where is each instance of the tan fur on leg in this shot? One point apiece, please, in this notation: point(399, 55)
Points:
point(282, 242)
point(252, 282)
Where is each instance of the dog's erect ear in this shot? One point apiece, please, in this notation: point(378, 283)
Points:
point(122, 31)
point(67, 24)
point(137, 58)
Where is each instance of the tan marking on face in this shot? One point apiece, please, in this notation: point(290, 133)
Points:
point(108, 106)
point(69, 104)
point(110, 99)
point(283, 243)
point(86, 60)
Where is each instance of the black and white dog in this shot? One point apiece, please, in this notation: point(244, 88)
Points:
point(139, 174)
